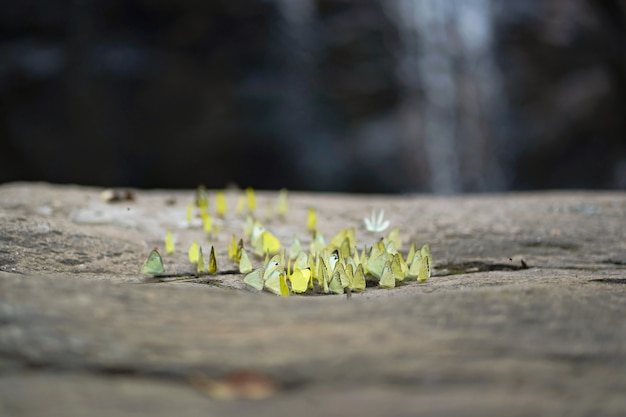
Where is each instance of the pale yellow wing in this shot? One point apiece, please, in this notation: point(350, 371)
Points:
point(255, 279)
point(201, 267)
point(358, 282)
point(299, 280)
point(193, 252)
point(387, 280)
point(169, 242)
point(220, 204)
point(245, 265)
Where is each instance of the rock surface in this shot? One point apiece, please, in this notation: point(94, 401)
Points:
point(523, 316)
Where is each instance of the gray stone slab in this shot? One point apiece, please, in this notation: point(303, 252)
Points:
point(81, 329)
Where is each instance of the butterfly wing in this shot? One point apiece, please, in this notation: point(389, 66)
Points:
point(255, 279)
point(245, 265)
point(387, 280)
point(358, 282)
point(153, 264)
point(212, 267)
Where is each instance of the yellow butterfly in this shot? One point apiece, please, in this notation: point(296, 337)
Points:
point(376, 249)
point(271, 244)
point(251, 199)
point(318, 244)
point(338, 239)
point(426, 253)
point(300, 279)
point(345, 250)
point(295, 248)
point(398, 267)
point(232, 249)
point(237, 255)
point(241, 202)
point(363, 256)
point(190, 213)
point(302, 261)
point(323, 275)
point(376, 265)
point(256, 231)
point(220, 204)
point(358, 281)
point(420, 267)
point(266, 243)
point(415, 265)
point(282, 206)
point(248, 226)
point(387, 280)
point(275, 281)
point(201, 268)
point(311, 222)
point(344, 280)
point(245, 265)
point(255, 279)
point(335, 285)
point(212, 268)
point(394, 237)
point(208, 223)
point(411, 254)
point(169, 242)
point(153, 264)
point(193, 252)
point(424, 271)
point(271, 263)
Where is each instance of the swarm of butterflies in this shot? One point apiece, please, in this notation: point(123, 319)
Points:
point(337, 267)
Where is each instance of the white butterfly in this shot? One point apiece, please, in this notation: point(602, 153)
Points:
point(376, 224)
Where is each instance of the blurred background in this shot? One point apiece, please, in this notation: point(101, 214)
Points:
point(335, 95)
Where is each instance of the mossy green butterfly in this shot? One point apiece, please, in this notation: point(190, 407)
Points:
point(153, 264)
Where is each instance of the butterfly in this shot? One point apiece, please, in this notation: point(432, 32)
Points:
point(387, 280)
point(220, 204)
point(300, 279)
point(311, 221)
point(282, 206)
point(394, 237)
point(207, 222)
point(212, 267)
point(255, 279)
point(153, 264)
point(245, 265)
point(193, 252)
point(295, 248)
point(358, 281)
point(169, 242)
point(241, 202)
point(376, 223)
point(190, 213)
point(251, 199)
point(202, 196)
point(398, 267)
point(271, 244)
point(376, 265)
point(318, 244)
point(275, 281)
point(265, 243)
point(334, 284)
point(338, 240)
point(201, 267)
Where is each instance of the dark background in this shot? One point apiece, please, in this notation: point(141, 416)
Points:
point(358, 96)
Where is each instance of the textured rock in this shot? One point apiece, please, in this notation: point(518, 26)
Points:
point(81, 330)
